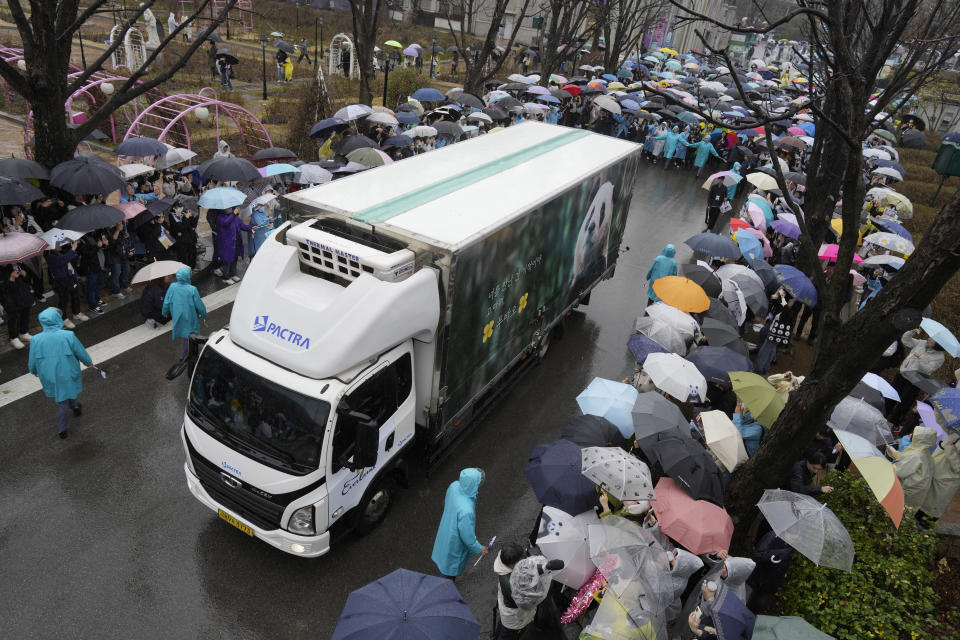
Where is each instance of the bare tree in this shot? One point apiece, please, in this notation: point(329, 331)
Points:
point(563, 33)
point(47, 37)
point(938, 103)
point(622, 23)
point(366, 21)
point(483, 65)
point(850, 42)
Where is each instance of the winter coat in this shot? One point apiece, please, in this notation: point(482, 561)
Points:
point(750, 430)
point(732, 189)
point(946, 478)
point(738, 570)
point(914, 467)
point(55, 357)
point(772, 557)
point(61, 265)
point(456, 537)
point(718, 192)
point(704, 151)
point(15, 295)
point(685, 566)
point(228, 228)
point(92, 258)
point(183, 304)
point(801, 480)
point(182, 228)
point(151, 301)
point(920, 358)
point(512, 616)
point(663, 265)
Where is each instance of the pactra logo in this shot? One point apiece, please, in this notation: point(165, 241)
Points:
point(262, 324)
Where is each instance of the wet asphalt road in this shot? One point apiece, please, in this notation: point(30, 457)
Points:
point(99, 536)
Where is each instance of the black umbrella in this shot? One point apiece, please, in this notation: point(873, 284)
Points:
point(213, 37)
point(90, 217)
point(509, 103)
point(592, 431)
point(796, 177)
point(686, 461)
point(868, 394)
point(916, 120)
point(763, 269)
point(445, 128)
point(140, 147)
point(720, 334)
point(451, 49)
point(715, 363)
point(707, 279)
point(554, 474)
point(23, 169)
point(913, 139)
point(274, 153)
point(713, 244)
point(588, 90)
point(226, 53)
point(229, 169)
point(721, 312)
point(284, 46)
point(925, 383)
point(84, 175)
point(560, 94)
point(352, 143)
point(515, 86)
point(144, 217)
point(94, 135)
point(15, 191)
point(495, 112)
point(159, 206)
point(470, 100)
point(652, 413)
point(325, 127)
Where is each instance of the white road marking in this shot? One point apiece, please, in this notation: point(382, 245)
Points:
point(27, 384)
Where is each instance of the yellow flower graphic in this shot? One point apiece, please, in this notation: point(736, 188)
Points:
point(523, 302)
point(488, 331)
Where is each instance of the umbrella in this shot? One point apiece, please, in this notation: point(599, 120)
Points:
point(284, 46)
point(56, 237)
point(173, 157)
point(881, 385)
point(927, 384)
point(277, 169)
point(159, 206)
point(786, 628)
point(714, 245)
point(221, 198)
point(929, 419)
point(750, 246)
point(786, 228)
point(16, 191)
point(750, 284)
point(641, 346)
point(893, 262)
point(90, 217)
point(553, 472)
point(679, 320)
point(686, 461)
point(766, 273)
point(888, 172)
point(400, 141)
point(406, 604)
point(678, 377)
point(715, 363)
point(617, 472)
point(158, 269)
point(729, 179)
point(893, 227)
point(722, 334)
point(762, 181)
point(662, 333)
point(610, 400)
point(16, 247)
point(890, 241)
point(653, 414)
point(612, 621)
point(470, 100)
point(682, 293)
point(368, 157)
point(946, 404)
point(274, 153)
point(829, 252)
point(226, 53)
point(796, 284)
point(23, 169)
point(758, 395)
point(422, 131)
point(941, 335)
point(720, 312)
point(859, 417)
point(809, 527)
point(350, 112)
point(877, 471)
point(407, 117)
point(325, 127)
point(312, 174)
point(703, 276)
point(731, 618)
point(382, 118)
point(229, 169)
point(428, 94)
point(85, 175)
point(697, 525)
point(130, 209)
point(723, 438)
point(868, 394)
point(393, 43)
point(135, 169)
point(352, 143)
point(447, 128)
point(564, 537)
point(592, 431)
point(141, 147)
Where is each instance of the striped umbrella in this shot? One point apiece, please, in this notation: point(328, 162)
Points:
point(17, 247)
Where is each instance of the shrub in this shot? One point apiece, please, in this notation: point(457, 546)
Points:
point(402, 83)
point(888, 593)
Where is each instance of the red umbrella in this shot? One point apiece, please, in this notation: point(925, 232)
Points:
point(737, 223)
point(699, 526)
point(572, 89)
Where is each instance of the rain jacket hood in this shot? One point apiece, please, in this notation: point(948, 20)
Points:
point(736, 167)
point(456, 537)
point(946, 478)
point(470, 481)
point(732, 189)
point(55, 357)
point(914, 467)
point(669, 251)
point(662, 265)
point(50, 319)
point(183, 275)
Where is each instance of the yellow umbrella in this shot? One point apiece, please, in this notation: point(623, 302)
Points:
point(877, 471)
point(668, 50)
point(723, 438)
point(682, 293)
point(393, 43)
point(762, 181)
point(616, 86)
point(837, 225)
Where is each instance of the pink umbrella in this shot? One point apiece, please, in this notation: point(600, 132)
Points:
point(17, 247)
point(828, 252)
point(698, 525)
point(386, 159)
point(797, 131)
point(130, 209)
point(756, 216)
point(929, 419)
point(857, 278)
point(767, 249)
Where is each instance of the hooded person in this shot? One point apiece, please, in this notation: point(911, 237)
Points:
point(671, 142)
point(663, 265)
point(771, 556)
point(456, 538)
point(732, 189)
point(55, 357)
point(914, 467)
point(946, 477)
point(704, 149)
point(733, 574)
point(513, 618)
point(184, 306)
point(683, 565)
point(223, 150)
point(750, 430)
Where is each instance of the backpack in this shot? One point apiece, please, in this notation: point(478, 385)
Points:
point(281, 56)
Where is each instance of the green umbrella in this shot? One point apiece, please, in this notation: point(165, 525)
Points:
point(758, 395)
point(367, 156)
point(786, 628)
point(673, 65)
point(886, 135)
point(393, 43)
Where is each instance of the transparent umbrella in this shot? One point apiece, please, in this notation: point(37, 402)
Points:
point(681, 321)
point(860, 417)
point(617, 472)
point(612, 622)
point(663, 333)
point(809, 527)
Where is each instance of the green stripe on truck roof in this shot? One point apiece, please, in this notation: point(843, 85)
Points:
point(402, 204)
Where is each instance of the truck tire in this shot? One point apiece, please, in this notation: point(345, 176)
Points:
point(375, 505)
point(544, 345)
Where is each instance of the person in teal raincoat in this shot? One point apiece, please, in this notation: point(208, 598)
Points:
point(663, 265)
point(671, 141)
point(704, 150)
point(750, 430)
point(456, 537)
point(183, 304)
point(732, 189)
point(55, 357)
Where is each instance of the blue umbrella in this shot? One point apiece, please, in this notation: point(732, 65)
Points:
point(554, 474)
point(325, 127)
point(715, 363)
point(893, 227)
point(786, 228)
point(278, 168)
point(550, 99)
point(428, 94)
point(731, 618)
point(715, 245)
point(221, 198)
point(946, 405)
point(951, 137)
point(625, 74)
point(405, 605)
point(629, 64)
point(609, 77)
point(809, 127)
point(610, 400)
point(407, 117)
point(641, 346)
point(629, 104)
point(750, 246)
point(796, 284)
point(941, 335)
point(880, 162)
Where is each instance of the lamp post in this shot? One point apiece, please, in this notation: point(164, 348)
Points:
point(318, 24)
point(433, 55)
point(263, 60)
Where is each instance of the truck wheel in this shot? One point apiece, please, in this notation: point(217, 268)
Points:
point(544, 346)
point(374, 507)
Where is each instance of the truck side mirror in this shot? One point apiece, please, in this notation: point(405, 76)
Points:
point(366, 439)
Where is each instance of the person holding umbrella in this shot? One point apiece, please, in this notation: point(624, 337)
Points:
point(229, 242)
point(456, 538)
point(925, 357)
point(715, 198)
point(183, 305)
point(224, 67)
point(55, 357)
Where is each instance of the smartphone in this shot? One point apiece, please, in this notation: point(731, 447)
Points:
point(698, 612)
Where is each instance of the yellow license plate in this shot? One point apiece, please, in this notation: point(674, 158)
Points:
point(239, 525)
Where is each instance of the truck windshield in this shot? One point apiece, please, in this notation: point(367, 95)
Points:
point(255, 416)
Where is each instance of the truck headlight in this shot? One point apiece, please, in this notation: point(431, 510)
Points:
point(302, 522)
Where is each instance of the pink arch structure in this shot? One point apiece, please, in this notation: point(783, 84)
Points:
point(11, 55)
point(166, 120)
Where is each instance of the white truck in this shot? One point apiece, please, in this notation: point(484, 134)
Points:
point(394, 314)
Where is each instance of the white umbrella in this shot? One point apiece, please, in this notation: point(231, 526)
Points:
point(174, 156)
point(564, 537)
point(607, 103)
point(891, 241)
point(663, 333)
point(516, 77)
point(885, 259)
point(480, 117)
point(159, 269)
point(723, 439)
point(421, 131)
point(56, 237)
point(679, 320)
point(876, 153)
point(312, 174)
point(859, 417)
point(733, 297)
point(678, 377)
point(890, 172)
point(382, 118)
point(881, 385)
point(353, 112)
point(135, 169)
point(617, 472)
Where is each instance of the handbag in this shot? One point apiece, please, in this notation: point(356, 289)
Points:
point(726, 206)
